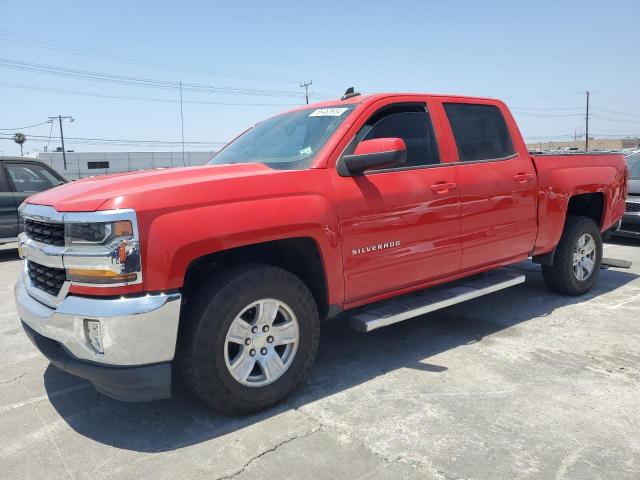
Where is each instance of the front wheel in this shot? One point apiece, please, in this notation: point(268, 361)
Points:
point(250, 338)
point(577, 258)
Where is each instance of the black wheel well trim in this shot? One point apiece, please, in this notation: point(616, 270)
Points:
point(547, 258)
point(591, 205)
point(299, 255)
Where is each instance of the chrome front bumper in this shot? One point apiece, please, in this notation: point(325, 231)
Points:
point(135, 330)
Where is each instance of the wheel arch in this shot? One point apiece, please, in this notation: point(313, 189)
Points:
point(590, 205)
point(299, 255)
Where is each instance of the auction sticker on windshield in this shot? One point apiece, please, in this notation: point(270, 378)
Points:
point(328, 112)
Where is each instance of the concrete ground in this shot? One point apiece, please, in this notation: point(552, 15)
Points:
point(520, 384)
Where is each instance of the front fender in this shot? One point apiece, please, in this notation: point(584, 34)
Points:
point(182, 236)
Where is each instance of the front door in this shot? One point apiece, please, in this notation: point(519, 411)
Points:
point(399, 226)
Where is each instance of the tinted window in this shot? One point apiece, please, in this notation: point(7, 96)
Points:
point(31, 178)
point(4, 184)
point(94, 165)
point(480, 131)
point(412, 124)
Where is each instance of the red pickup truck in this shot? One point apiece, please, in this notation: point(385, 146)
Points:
point(355, 207)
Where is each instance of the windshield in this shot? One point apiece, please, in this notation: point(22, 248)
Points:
point(634, 165)
point(289, 141)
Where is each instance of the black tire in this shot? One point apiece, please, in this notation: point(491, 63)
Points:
point(208, 318)
point(560, 276)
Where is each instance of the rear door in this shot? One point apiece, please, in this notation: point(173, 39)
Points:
point(497, 184)
point(399, 226)
point(8, 209)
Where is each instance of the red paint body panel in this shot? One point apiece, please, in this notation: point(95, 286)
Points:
point(381, 234)
point(380, 145)
point(562, 176)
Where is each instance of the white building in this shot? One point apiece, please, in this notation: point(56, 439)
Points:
point(88, 164)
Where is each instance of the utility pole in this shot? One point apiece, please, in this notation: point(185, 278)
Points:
point(586, 119)
point(60, 118)
point(182, 125)
point(306, 89)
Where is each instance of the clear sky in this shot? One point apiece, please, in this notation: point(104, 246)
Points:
point(248, 58)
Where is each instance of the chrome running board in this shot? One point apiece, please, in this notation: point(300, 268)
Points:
point(408, 306)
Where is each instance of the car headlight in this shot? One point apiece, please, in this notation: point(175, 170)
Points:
point(101, 253)
point(77, 234)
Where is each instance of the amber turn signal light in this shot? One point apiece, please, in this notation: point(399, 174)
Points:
point(99, 276)
point(123, 228)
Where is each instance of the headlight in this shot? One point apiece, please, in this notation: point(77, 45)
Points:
point(96, 233)
point(100, 253)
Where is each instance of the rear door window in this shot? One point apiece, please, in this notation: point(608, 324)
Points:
point(480, 131)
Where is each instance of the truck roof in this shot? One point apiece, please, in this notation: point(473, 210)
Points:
point(370, 98)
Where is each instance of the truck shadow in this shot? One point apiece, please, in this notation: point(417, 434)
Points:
point(9, 254)
point(346, 358)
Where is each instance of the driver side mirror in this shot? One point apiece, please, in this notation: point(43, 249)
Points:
point(375, 153)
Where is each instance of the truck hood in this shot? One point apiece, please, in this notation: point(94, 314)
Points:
point(124, 190)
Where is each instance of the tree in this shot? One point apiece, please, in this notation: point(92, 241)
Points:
point(20, 138)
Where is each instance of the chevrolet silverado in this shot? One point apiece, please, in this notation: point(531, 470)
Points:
point(376, 208)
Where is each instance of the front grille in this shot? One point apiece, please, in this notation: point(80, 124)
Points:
point(49, 233)
point(48, 279)
point(632, 207)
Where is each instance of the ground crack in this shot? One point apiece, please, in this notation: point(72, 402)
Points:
point(3, 382)
point(398, 459)
point(241, 470)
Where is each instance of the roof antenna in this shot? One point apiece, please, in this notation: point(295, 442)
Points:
point(349, 93)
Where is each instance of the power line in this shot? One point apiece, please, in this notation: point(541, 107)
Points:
point(636, 122)
point(132, 59)
point(108, 140)
point(28, 126)
point(547, 115)
point(546, 109)
point(139, 81)
point(542, 97)
point(129, 59)
point(144, 99)
point(617, 112)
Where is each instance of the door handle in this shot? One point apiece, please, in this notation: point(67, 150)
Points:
point(443, 187)
point(523, 177)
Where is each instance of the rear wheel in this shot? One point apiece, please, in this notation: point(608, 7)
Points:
point(577, 259)
point(250, 338)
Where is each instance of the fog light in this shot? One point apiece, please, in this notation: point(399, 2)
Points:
point(93, 334)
